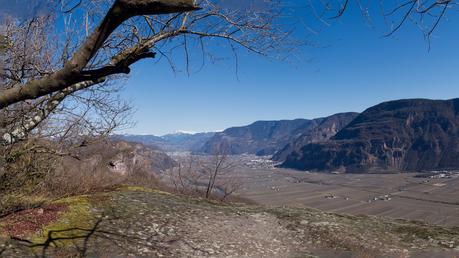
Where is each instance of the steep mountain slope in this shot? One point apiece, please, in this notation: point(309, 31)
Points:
point(269, 137)
point(170, 142)
point(318, 132)
point(261, 137)
point(403, 135)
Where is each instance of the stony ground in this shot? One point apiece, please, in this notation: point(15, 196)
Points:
point(137, 222)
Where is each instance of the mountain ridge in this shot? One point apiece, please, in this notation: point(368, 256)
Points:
point(399, 135)
point(267, 137)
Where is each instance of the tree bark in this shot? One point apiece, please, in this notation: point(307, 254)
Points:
point(20, 131)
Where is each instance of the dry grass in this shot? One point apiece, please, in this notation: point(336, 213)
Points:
point(69, 182)
point(66, 183)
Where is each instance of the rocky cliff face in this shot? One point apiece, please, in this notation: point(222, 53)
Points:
point(403, 135)
point(261, 137)
point(124, 158)
point(322, 130)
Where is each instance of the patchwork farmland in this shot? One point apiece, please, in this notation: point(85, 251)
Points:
point(434, 200)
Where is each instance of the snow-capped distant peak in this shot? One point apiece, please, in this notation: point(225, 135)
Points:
point(184, 132)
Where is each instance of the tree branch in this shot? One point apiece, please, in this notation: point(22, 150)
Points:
point(72, 73)
point(20, 131)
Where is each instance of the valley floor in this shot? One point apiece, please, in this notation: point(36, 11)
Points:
point(138, 222)
point(393, 195)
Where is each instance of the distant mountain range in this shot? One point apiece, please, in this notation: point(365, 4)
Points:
point(402, 135)
point(180, 141)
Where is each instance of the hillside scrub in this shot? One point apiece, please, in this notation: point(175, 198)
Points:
point(33, 174)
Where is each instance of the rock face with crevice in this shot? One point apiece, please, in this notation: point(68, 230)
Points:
point(402, 135)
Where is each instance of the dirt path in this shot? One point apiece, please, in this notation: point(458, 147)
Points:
point(146, 223)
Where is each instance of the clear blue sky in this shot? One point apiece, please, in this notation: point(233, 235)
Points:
point(358, 68)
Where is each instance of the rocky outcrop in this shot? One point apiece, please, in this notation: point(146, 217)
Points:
point(403, 135)
point(124, 158)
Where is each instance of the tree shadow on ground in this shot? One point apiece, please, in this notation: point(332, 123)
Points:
point(101, 239)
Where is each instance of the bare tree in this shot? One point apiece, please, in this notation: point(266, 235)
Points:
point(229, 185)
point(44, 71)
point(204, 175)
point(218, 167)
point(187, 176)
point(75, 69)
point(60, 84)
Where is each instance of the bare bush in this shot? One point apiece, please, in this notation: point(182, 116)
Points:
point(218, 171)
point(23, 167)
point(186, 177)
point(211, 176)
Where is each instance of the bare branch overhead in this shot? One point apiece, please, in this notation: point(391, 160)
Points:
point(72, 72)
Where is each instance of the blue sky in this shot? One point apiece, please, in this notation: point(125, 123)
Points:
point(352, 68)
